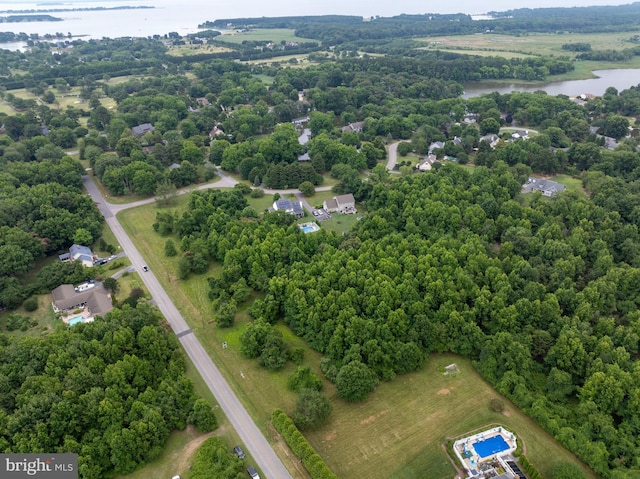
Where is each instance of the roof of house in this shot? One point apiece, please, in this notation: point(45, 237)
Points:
point(97, 299)
point(345, 199)
point(142, 129)
point(77, 249)
point(551, 187)
point(356, 126)
point(304, 138)
point(284, 204)
point(331, 204)
point(304, 157)
point(173, 166)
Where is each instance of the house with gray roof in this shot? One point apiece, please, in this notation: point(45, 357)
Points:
point(141, 129)
point(546, 187)
point(80, 253)
point(93, 302)
point(341, 203)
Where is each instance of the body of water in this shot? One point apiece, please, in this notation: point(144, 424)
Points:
point(183, 16)
point(621, 79)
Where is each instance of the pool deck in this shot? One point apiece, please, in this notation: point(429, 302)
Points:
point(473, 463)
point(310, 227)
point(87, 317)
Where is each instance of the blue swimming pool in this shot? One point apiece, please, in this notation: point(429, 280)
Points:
point(491, 446)
point(75, 320)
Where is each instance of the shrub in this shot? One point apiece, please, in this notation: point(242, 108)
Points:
point(300, 446)
point(257, 193)
point(312, 409)
point(30, 304)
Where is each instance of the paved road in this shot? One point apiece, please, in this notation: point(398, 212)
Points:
point(249, 433)
point(393, 155)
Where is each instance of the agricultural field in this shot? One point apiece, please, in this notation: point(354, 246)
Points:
point(275, 35)
point(533, 44)
point(398, 433)
point(187, 50)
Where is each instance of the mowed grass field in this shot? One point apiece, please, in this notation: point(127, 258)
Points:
point(512, 46)
point(275, 35)
point(533, 44)
point(398, 433)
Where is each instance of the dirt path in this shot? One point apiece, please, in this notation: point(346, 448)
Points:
point(184, 457)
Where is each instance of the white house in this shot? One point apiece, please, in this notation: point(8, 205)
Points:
point(341, 204)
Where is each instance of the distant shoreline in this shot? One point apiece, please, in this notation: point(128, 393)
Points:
point(81, 9)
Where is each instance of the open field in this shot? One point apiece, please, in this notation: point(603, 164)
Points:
point(572, 184)
point(399, 432)
point(275, 35)
point(533, 44)
point(396, 434)
point(187, 50)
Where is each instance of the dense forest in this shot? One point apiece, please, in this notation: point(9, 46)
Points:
point(110, 391)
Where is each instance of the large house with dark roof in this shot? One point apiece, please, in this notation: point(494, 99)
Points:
point(289, 206)
point(141, 129)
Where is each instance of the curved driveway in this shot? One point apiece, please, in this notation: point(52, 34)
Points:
point(249, 433)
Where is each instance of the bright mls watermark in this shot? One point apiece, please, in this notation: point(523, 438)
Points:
point(40, 466)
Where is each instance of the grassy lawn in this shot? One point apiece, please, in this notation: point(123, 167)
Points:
point(266, 79)
point(341, 223)
point(44, 316)
point(275, 35)
point(572, 184)
point(399, 432)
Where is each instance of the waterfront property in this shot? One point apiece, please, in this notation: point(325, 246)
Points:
point(488, 454)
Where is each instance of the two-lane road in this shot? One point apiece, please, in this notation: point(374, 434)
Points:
point(249, 433)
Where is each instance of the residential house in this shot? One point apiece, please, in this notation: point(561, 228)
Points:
point(94, 302)
point(435, 145)
point(174, 166)
point(491, 139)
point(546, 187)
point(304, 157)
point(79, 253)
point(289, 206)
point(342, 204)
point(457, 141)
point(520, 135)
point(141, 129)
point(425, 164)
point(202, 101)
point(355, 127)
point(215, 132)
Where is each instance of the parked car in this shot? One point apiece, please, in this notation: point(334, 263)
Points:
point(253, 473)
point(239, 452)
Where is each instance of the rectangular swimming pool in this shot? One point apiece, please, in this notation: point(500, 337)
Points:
point(491, 446)
point(75, 320)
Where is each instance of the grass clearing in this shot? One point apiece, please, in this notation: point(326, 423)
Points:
point(572, 184)
point(275, 35)
point(340, 223)
point(399, 432)
point(520, 46)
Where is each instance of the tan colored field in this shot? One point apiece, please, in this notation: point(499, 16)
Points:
point(186, 50)
point(535, 44)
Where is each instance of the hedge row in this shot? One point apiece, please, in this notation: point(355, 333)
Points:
point(300, 446)
point(528, 468)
